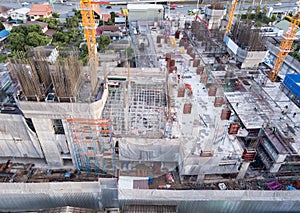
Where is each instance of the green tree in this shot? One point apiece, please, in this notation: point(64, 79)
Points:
point(1, 26)
point(273, 18)
point(77, 13)
point(58, 36)
point(130, 52)
point(257, 10)
point(55, 15)
point(258, 24)
point(16, 41)
point(249, 11)
point(83, 54)
point(73, 34)
point(21, 29)
point(34, 28)
point(52, 22)
point(113, 15)
point(265, 9)
point(35, 39)
point(103, 42)
point(72, 22)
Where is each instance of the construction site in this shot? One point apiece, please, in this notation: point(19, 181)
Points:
point(199, 112)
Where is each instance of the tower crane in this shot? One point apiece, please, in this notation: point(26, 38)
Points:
point(89, 27)
point(285, 45)
point(231, 16)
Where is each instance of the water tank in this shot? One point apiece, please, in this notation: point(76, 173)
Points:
point(225, 114)
point(187, 108)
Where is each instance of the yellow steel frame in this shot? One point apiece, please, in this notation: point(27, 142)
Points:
point(285, 46)
point(88, 23)
point(231, 16)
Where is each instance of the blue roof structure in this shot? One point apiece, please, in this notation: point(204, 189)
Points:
point(119, 20)
point(4, 33)
point(292, 82)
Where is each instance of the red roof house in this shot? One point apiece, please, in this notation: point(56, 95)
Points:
point(40, 11)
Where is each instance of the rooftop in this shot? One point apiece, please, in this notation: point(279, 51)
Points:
point(144, 6)
point(23, 10)
point(40, 9)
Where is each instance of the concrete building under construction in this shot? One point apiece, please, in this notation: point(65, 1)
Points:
point(195, 119)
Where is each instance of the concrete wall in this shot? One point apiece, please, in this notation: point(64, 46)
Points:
point(16, 139)
point(22, 197)
point(216, 201)
point(55, 110)
point(42, 115)
point(253, 58)
point(44, 130)
point(214, 17)
point(145, 12)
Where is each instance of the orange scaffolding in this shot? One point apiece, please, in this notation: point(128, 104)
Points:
point(92, 144)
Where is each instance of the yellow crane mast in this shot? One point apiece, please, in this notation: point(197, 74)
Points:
point(231, 16)
point(285, 46)
point(88, 23)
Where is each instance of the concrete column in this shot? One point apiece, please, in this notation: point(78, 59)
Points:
point(243, 170)
point(200, 178)
point(45, 133)
point(276, 166)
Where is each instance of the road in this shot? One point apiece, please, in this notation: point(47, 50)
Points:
point(70, 4)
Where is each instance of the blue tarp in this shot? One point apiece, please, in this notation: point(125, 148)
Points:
point(292, 82)
point(4, 33)
point(290, 188)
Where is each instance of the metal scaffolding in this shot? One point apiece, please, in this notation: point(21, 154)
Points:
point(92, 143)
point(138, 109)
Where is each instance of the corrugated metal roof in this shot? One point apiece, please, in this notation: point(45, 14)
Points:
point(4, 33)
point(68, 209)
point(132, 208)
point(284, 25)
point(144, 6)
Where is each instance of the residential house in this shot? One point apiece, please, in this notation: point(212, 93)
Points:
point(19, 16)
point(44, 25)
point(40, 11)
point(48, 53)
point(112, 31)
point(282, 27)
point(4, 12)
point(50, 32)
point(120, 21)
point(106, 17)
point(97, 15)
point(64, 16)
